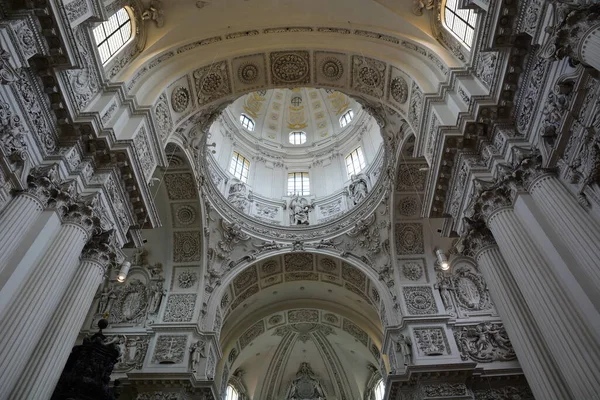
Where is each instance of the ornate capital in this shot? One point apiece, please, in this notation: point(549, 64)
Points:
point(82, 212)
point(477, 238)
point(100, 248)
point(494, 199)
point(41, 181)
point(568, 36)
point(530, 169)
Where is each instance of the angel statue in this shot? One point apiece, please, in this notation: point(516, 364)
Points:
point(299, 209)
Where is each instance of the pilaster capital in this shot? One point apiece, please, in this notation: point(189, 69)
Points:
point(476, 239)
point(494, 199)
point(101, 248)
point(41, 181)
point(530, 170)
point(82, 212)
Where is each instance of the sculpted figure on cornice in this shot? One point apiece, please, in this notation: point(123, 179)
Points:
point(238, 196)
point(299, 210)
point(358, 190)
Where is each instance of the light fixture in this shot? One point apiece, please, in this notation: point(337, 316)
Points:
point(442, 260)
point(123, 271)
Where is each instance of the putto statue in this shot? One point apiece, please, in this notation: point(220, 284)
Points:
point(306, 386)
point(299, 209)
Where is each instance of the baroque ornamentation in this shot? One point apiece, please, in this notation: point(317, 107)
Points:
point(248, 73)
point(355, 331)
point(212, 82)
point(185, 215)
point(12, 133)
point(180, 308)
point(144, 152)
point(180, 99)
point(504, 393)
point(485, 342)
point(368, 76)
point(290, 67)
point(411, 178)
point(431, 341)
point(399, 89)
point(409, 238)
point(7, 72)
point(419, 300)
point(332, 68)
point(412, 270)
point(163, 118)
point(128, 303)
point(445, 390)
point(252, 333)
point(187, 246)
point(170, 349)
point(186, 279)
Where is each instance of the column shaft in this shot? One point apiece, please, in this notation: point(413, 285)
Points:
point(32, 307)
point(577, 230)
point(535, 358)
point(15, 220)
point(50, 355)
point(564, 327)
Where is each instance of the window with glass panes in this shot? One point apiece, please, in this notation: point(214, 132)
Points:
point(460, 22)
point(298, 184)
point(346, 118)
point(239, 167)
point(247, 122)
point(111, 35)
point(297, 138)
point(355, 162)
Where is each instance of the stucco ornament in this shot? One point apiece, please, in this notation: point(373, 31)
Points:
point(485, 342)
point(305, 386)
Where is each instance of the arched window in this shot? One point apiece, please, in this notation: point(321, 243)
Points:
point(247, 122)
point(379, 390)
point(346, 118)
point(239, 167)
point(232, 394)
point(298, 184)
point(297, 138)
point(113, 34)
point(355, 162)
point(460, 22)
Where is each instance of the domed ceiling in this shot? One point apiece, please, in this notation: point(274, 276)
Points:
point(278, 112)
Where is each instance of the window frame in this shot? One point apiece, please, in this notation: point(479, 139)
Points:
point(247, 123)
point(344, 122)
point(360, 159)
point(379, 389)
point(301, 177)
point(231, 393)
point(237, 163)
point(118, 30)
point(457, 14)
point(300, 134)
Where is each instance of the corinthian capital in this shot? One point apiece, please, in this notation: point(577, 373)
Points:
point(82, 212)
point(494, 199)
point(41, 181)
point(477, 238)
point(530, 169)
point(101, 248)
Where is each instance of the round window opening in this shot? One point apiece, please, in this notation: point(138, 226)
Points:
point(297, 138)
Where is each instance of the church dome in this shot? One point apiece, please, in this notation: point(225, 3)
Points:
point(295, 157)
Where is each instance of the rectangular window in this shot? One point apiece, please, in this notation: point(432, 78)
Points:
point(239, 167)
point(355, 162)
point(298, 184)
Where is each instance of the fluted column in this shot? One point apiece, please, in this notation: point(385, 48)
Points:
point(541, 371)
point(23, 210)
point(47, 361)
point(571, 223)
point(31, 309)
point(568, 334)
